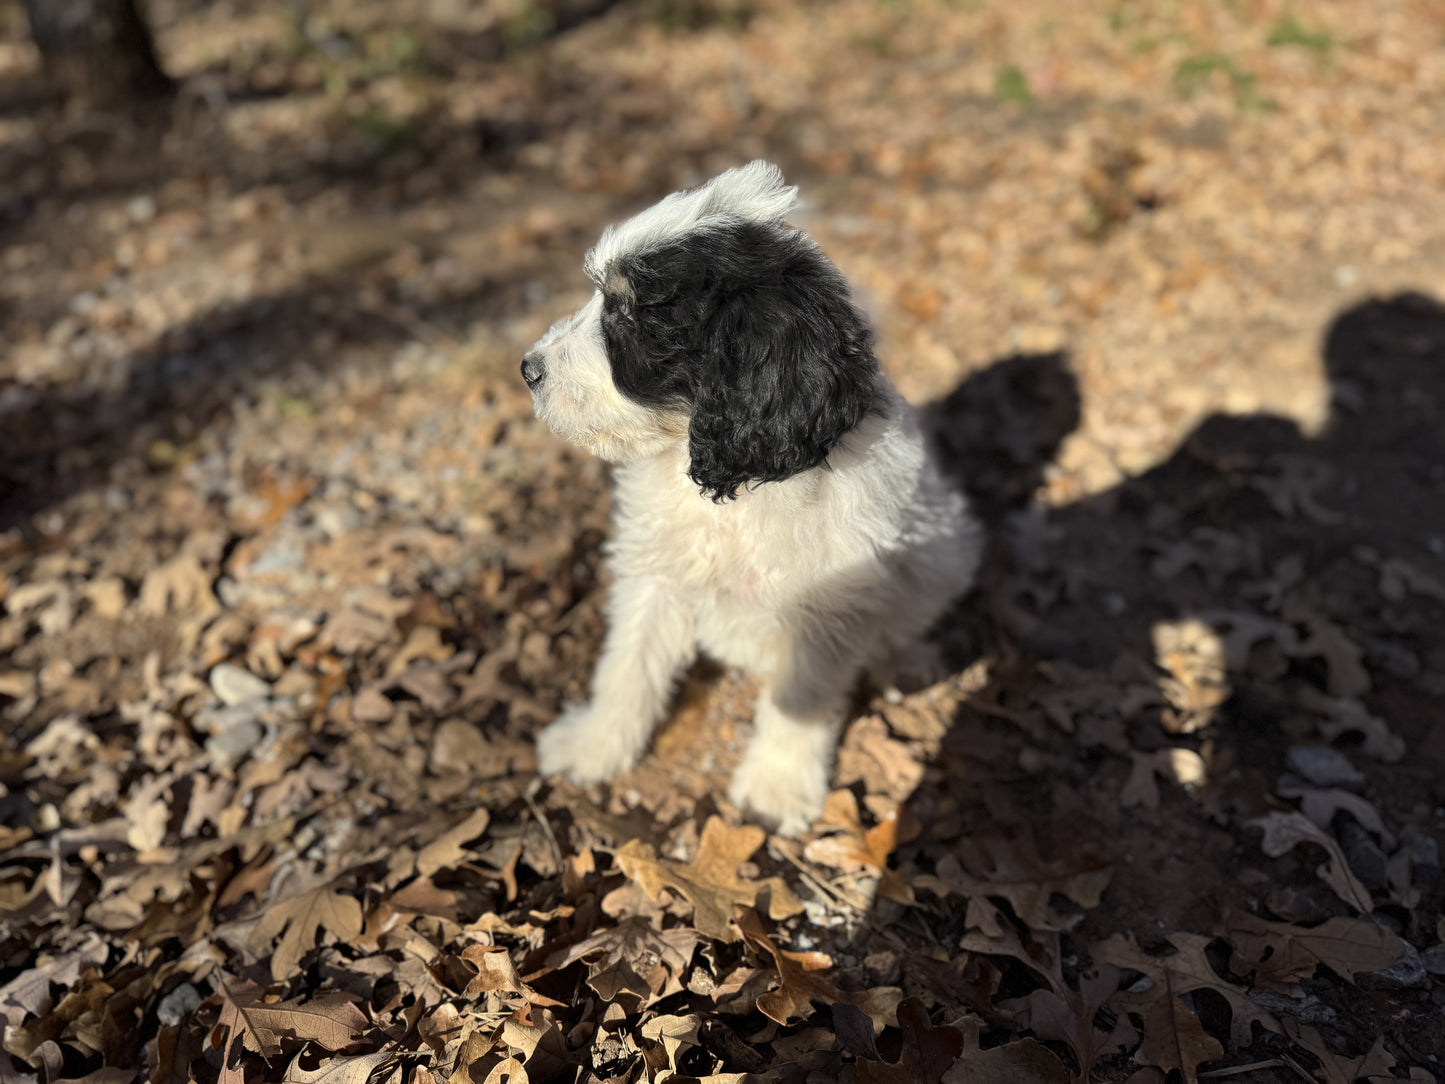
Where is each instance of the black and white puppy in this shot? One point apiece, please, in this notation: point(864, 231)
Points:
point(776, 505)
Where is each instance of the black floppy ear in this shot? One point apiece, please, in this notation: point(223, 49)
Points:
point(786, 368)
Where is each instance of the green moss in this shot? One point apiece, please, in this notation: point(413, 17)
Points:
point(1012, 85)
point(1290, 31)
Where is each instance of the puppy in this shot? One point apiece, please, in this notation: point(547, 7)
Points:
point(776, 506)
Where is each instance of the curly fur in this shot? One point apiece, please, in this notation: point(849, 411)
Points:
point(722, 353)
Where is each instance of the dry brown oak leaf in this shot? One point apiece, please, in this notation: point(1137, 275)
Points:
point(302, 917)
point(1281, 955)
point(1013, 870)
point(927, 1052)
point(1285, 831)
point(1069, 1018)
point(632, 962)
point(331, 1021)
point(711, 882)
point(1172, 1034)
point(857, 847)
point(800, 982)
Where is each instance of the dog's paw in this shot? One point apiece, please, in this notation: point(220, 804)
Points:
point(583, 746)
point(780, 791)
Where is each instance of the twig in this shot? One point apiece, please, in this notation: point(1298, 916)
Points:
point(1298, 1068)
point(545, 823)
point(1285, 1062)
point(848, 899)
point(1235, 1070)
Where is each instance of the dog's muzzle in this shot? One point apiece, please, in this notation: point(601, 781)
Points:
point(533, 371)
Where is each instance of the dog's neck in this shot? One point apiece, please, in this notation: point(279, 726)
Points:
point(668, 469)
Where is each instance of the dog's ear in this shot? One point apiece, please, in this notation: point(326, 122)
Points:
point(785, 367)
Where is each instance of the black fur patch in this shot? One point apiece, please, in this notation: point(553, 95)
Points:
point(751, 328)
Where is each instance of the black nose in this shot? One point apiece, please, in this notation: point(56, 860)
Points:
point(533, 370)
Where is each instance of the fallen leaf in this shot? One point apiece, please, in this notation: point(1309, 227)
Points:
point(1071, 1018)
point(106, 596)
point(343, 1070)
point(302, 918)
point(1175, 1039)
point(447, 850)
point(331, 1021)
point(1013, 870)
point(799, 985)
point(632, 961)
point(1346, 675)
point(181, 584)
point(673, 1033)
point(1375, 1064)
point(1025, 1062)
point(1344, 715)
point(148, 812)
point(885, 765)
point(1321, 805)
point(927, 1052)
point(1037, 950)
point(536, 1035)
point(424, 642)
point(1187, 970)
point(29, 991)
point(496, 971)
point(711, 882)
point(1285, 831)
point(857, 848)
point(1182, 766)
point(1280, 955)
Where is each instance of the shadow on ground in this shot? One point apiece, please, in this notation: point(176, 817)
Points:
point(1262, 595)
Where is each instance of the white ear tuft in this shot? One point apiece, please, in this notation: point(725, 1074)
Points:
point(754, 192)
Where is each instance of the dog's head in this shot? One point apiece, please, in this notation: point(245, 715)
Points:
point(715, 324)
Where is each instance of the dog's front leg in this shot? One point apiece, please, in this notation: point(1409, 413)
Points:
point(650, 639)
point(785, 773)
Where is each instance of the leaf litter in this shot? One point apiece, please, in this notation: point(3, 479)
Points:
point(282, 610)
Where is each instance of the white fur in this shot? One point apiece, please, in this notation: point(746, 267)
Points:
point(755, 193)
point(579, 401)
point(804, 582)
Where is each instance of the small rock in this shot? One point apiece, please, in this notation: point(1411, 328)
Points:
point(141, 209)
point(231, 745)
point(460, 747)
point(337, 520)
point(1323, 766)
point(1364, 855)
point(1424, 857)
point(286, 553)
point(1393, 658)
point(1434, 960)
point(294, 684)
point(1407, 972)
point(237, 686)
point(1309, 1009)
point(178, 1004)
point(371, 705)
point(217, 720)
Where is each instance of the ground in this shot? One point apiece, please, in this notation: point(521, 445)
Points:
point(290, 577)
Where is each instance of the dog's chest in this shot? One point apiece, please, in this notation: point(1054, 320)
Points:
point(719, 555)
point(733, 552)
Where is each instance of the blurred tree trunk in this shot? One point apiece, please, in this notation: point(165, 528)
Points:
point(96, 51)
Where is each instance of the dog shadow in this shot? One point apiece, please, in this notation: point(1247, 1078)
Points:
point(1260, 590)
